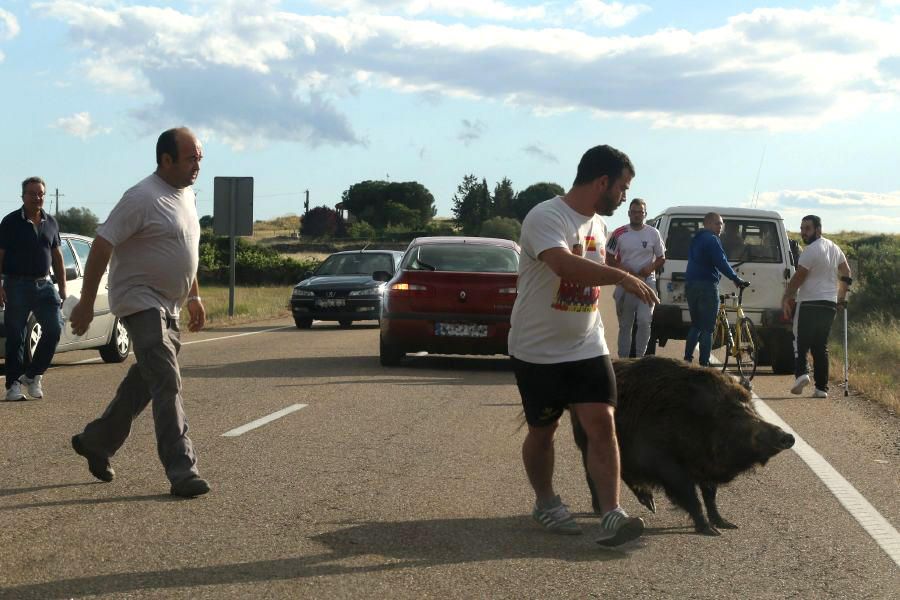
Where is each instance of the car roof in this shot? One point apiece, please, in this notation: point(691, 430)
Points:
point(725, 211)
point(367, 252)
point(77, 236)
point(484, 241)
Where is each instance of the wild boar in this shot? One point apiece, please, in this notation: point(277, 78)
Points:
point(681, 427)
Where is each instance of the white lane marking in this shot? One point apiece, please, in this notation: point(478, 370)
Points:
point(865, 514)
point(884, 534)
point(224, 337)
point(262, 421)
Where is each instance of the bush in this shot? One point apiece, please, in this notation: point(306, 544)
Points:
point(878, 275)
point(361, 231)
point(502, 227)
point(255, 265)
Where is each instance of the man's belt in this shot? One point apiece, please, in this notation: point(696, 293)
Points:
point(27, 277)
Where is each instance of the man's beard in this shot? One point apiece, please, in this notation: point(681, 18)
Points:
point(608, 204)
point(809, 240)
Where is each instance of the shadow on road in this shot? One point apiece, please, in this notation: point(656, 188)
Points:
point(41, 488)
point(358, 367)
point(89, 501)
point(399, 545)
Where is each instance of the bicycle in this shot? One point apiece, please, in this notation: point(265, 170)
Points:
point(740, 340)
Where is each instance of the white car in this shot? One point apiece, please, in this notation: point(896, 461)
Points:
point(758, 248)
point(106, 333)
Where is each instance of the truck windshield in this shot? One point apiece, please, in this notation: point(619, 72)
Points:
point(745, 240)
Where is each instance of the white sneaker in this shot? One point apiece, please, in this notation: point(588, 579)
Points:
point(799, 384)
point(820, 393)
point(34, 385)
point(15, 392)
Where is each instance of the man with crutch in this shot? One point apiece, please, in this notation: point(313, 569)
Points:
point(820, 285)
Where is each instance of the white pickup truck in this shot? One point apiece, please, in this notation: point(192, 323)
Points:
point(757, 245)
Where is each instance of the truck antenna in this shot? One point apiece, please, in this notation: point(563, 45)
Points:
point(755, 196)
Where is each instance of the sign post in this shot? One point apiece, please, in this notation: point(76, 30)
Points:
point(232, 216)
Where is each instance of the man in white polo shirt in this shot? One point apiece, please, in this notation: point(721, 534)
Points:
point(638, 249)
point(820, 285)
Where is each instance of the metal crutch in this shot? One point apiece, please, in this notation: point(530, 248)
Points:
point(846, 356)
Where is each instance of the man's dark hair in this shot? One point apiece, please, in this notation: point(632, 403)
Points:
point(816, 221)
point(640, 201)
point(600, 161)
point(31, 180)
point(710, 217)
point(168, 144)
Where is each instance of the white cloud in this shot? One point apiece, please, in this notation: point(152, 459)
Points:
point(608, 14)
point(840, 210)
point(9, 28)
point(246, 69)
point(80, 125)
point(480, 9)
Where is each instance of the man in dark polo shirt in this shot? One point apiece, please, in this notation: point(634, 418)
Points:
point(29, 247)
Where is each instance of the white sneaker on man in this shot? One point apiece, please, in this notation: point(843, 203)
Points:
point(34, 385)
point(14, 392)
point(800, 383)
point(820, 393)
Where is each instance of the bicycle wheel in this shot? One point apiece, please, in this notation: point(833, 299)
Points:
point(719, 332)
point(748, 352)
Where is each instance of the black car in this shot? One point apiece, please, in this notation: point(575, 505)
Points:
point(346, 287)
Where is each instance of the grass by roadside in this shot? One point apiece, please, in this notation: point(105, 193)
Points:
point(250, 304)
point(874, 346)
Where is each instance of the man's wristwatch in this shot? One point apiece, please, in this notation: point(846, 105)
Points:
point(847, 280)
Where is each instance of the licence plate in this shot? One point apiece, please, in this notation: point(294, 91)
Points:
point(330, 302)
point(460, 330)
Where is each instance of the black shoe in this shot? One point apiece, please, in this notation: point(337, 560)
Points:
point(97, 465)
point(190, 487)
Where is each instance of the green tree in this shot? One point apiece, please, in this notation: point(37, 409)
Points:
point(206, 222)
point(471, 204)
point(502, 202)
point(534, 194)
point(322, 221)
point(361, 231)
point(370, 200)
point(78, 220)
point(506, 228)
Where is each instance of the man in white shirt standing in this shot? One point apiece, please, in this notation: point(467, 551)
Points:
point(820, 285)
point(556, 340)
point(638, 249)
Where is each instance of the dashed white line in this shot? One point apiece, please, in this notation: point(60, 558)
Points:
point(262, 421)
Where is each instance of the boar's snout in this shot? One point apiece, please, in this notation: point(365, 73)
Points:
point(785, 441)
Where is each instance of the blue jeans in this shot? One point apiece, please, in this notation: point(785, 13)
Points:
point(24, 297)
point(703, 304)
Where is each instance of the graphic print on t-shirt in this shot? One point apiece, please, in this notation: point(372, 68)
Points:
point(577, 297)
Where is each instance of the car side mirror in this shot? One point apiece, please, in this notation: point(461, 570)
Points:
point(795, 252)
point(381, 276)
point(71, 273)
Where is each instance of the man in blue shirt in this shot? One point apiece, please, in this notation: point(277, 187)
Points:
point(29, 247)
point(706, 260)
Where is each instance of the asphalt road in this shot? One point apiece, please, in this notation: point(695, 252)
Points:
point(403, 483)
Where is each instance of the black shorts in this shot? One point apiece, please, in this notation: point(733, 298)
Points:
point(547, 389)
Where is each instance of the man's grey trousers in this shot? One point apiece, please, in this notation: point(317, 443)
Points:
point(155, 377)
point(630, 308)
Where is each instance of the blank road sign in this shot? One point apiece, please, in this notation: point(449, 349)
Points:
point(233, 206)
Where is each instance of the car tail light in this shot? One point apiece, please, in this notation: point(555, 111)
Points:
point(508, 290)
point(404, 287)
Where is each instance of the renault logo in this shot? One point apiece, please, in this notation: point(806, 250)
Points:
point(462, 295)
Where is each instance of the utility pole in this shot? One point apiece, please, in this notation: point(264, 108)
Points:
point(306, 203)
point(57, 195)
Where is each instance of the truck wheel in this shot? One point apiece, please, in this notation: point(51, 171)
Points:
point(781, 353)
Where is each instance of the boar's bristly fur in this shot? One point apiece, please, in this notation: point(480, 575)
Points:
point(680, 428)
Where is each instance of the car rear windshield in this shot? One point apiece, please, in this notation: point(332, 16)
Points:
point(466, 258)
point(743, 239)
point(356, 264)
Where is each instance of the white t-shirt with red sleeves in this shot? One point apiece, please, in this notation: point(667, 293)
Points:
point(636, 248)
point(553, 320)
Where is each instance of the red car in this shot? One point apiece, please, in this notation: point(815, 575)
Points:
point(451, 295)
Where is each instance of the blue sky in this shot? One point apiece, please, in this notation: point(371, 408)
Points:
point(318, 95)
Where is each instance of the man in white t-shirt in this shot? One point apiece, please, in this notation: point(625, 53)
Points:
point(153, 238)
point(637, 248)
point(556, 340)
point(820, 284)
